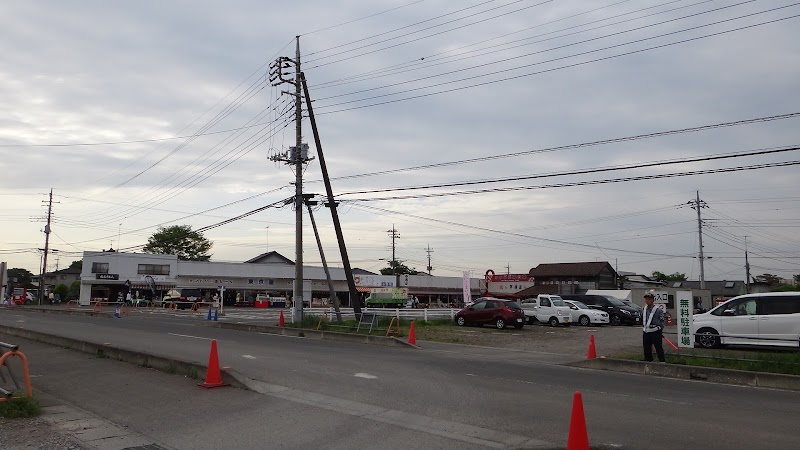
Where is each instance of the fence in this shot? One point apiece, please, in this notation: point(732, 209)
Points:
point(403, 313)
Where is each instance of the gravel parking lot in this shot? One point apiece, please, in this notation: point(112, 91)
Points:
point(573, 340)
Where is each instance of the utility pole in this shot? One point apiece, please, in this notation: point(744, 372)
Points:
point(429, 251)
point(355, 300)
point(331, 289)
point(395, 235)
point(746, 266)
point(697, 204)
point(46, 246)
point(298, 155)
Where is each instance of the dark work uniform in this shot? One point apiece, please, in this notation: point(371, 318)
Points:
point(651, 336)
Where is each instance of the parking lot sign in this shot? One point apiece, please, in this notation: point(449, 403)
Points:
point(685, 305)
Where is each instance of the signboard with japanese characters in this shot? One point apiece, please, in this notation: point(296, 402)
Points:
point(685, 310)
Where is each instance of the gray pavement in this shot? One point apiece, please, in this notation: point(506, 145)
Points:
point(443, 396)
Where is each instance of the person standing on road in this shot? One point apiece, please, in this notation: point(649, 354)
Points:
point(653, 324)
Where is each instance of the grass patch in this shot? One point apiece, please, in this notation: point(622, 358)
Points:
point(784, 362)
point(20, 407)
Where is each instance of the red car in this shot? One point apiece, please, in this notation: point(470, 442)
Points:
point(500, 313)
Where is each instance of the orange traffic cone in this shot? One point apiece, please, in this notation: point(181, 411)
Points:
point(412, 334)
point(281, 321)
point(578, 438)
point(592, 353)
point(213, 375)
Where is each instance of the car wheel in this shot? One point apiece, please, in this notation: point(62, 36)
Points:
point(461, 321)
point(708, 338)
point(500, 323)
point(584, 320)
point(615, 320)
point(553, 322)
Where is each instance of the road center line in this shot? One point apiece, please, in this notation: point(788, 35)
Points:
point(188, 336)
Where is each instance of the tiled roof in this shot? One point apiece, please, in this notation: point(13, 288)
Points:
point(579, 269)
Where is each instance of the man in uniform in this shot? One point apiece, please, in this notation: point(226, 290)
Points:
point(652, 326)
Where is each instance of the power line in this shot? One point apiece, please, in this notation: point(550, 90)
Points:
point(578, 64)
point(360, 18)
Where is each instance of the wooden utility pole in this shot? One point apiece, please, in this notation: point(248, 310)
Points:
point(46, 246)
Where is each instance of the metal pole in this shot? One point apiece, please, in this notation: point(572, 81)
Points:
point(298, 196)
point(746, 266)
point(700, 235)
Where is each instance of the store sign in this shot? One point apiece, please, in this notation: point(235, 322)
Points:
point(467, 287)
point(215, 281)
point(107, 276)
point(512, 277)
point(685, 311)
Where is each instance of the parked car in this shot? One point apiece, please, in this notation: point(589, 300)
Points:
point(771, 319)
point(629, 303)
point(496, 311)
point(618, 312)
point(547, 308)
point(584, 315)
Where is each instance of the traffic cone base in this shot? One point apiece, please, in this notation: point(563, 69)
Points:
point(578, 437)
point(412, 334)
point(213, 375)
point(592, 353)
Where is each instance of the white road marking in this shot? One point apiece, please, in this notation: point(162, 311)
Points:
point(248, 356)
point(283, 335)
point(193, 337)
point(365, 375)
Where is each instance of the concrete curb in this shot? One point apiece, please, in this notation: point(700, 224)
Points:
point(710, 374)
point(315, 334)
point(165, 364)
point(70, 312)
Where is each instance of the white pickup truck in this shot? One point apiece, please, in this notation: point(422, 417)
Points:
point(546, 308)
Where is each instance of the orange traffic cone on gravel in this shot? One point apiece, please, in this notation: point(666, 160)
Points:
point(412, 334)
point(213, 375)
point(281, 321)
point(592, 353)
point(578, 437)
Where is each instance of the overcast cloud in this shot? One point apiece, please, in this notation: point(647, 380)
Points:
point(107, 72)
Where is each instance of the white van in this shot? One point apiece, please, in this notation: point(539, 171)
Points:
point(753, 319)
point(546, 309)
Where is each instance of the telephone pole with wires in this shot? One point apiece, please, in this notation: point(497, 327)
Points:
point(429, 251)
point(297, 156)
point(394, 235)
point(46, 246)
point(697, 205)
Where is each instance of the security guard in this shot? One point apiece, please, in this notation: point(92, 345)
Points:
point(652, 326)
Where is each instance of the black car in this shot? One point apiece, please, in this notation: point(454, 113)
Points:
point(618, 312)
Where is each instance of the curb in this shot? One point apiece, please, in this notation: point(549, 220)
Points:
point(164, 364)
point(69, 312)
point(709, 374)
point(316, 334)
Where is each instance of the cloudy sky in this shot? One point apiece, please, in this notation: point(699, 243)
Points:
point(459, 124)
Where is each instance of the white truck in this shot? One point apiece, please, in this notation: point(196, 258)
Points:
point(546, 308)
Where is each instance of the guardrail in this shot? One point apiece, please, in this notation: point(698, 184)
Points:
point(10, 350)
point(423, 314)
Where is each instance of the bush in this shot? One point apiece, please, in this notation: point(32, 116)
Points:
point(20, 407)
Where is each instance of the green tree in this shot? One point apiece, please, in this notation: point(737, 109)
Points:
point(74, 290)
point(62, 290)
point(398, 268)
point(76, 264)
point(180, 240)
point(677, 276)
point(770, 279)
point(23, 277)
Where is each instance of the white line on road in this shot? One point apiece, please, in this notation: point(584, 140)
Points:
point(283, 335)
point(193, 337)
point(366, 375)
point(248, 357)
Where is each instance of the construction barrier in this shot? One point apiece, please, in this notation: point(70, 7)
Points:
point(97, 307)
point(394, 326)
point(13, 350)
point(72, 304)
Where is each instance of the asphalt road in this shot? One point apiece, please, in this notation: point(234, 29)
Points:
point(461, 396)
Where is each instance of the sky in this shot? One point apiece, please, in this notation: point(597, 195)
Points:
point(495, 134)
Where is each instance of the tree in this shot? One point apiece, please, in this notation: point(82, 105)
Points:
point(796, 280)
point(74, 290)
point(398, 268)
point(76, 264)
point(23, 277)
point(677, 276)
point(62, 290)
point(770, 279)
point(179, 240)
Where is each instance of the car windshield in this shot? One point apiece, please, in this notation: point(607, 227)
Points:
point(616, 302)
point(557, 301)
point(580, 305)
